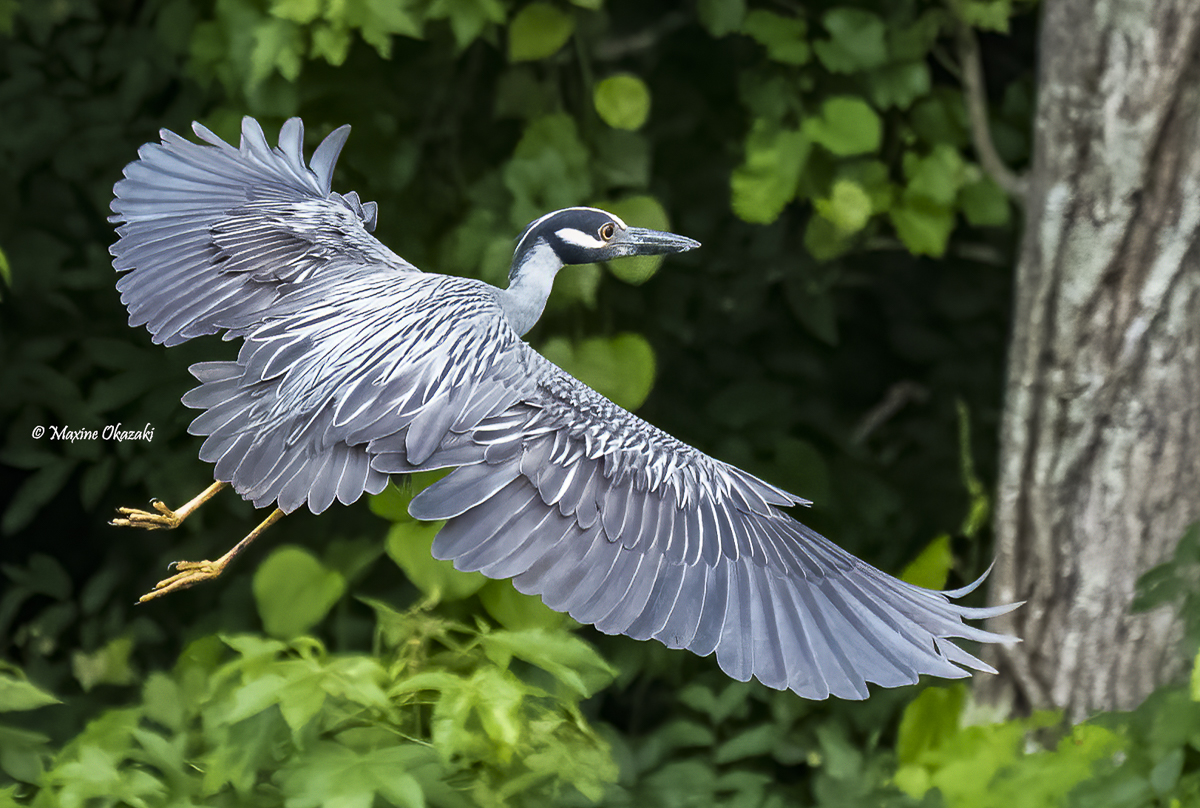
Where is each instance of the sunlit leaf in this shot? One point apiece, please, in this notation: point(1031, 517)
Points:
point(785, 38)
point(294, 591)
point(107, 665)
point(409, 545)
point(856, 40)
point(931, 568)
point(846, 126)
point(622, 101)
point(848, 207)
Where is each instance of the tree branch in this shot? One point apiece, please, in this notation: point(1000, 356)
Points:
point(976, 96)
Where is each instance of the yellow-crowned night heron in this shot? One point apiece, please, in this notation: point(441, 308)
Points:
point(355, 366)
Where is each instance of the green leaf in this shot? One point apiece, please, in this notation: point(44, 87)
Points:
point(721, 17)
point(847, 125)
point(410, 545)
point(823, 240)
point(754, 742)
point(538, 31)
point(984, 203)
point(935, 177)
point(929, 722)
point(468, 18)
point(924, 227)
point(856, 40)
point(108, 665)
point(331, 43)
point(392, 502)
point(518, 612)
point(301, 11)
point(334, 776)
point(620, 368)
point(294, 591)
point(571, 661)
point(764, 184)
point(785, 38)
point(638, 211)
point(899, 85)
point(987, 15)
point(17, 693)
point(848, 207)
point(278, 46)
point(931, 568)
point(549, 169)
point(623, 102)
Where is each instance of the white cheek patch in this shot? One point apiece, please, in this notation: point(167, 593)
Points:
point(579, 238)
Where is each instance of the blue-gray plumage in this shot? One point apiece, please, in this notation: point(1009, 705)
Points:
point(355, 366)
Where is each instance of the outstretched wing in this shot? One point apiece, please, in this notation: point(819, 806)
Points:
point(623, 526)
point(210, 237)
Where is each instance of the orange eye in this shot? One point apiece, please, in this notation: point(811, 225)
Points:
point(608, 231)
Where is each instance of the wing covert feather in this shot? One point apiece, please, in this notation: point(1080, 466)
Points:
point(627, 528)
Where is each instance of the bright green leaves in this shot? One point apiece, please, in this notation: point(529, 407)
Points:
point(801, 147)
point(622, 101)
point(924, 216)
point(845, 126)
point(992, 765)
point(538, 31)
point(766, 181)
point(295, 591)
point(932, 567)
point(856, 41)
point(785, 38)
point(848, 207)
point(620, 368)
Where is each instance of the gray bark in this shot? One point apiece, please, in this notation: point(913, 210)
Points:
point(1100, 451)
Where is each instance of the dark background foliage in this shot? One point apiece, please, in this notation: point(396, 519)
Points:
point(839, 332)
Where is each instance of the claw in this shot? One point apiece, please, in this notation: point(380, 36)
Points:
point(188, 574)
point(165, 519)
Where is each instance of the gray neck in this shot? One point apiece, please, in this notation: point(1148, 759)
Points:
point(529, 285)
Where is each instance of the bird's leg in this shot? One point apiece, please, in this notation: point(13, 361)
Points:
point(166, 518)
point(190, 573)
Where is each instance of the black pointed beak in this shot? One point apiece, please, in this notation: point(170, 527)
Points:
point(641, 241)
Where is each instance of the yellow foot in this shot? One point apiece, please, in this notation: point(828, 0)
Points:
point(165, 519)
point(188, 574)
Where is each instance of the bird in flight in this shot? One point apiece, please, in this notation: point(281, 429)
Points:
point(355, 365)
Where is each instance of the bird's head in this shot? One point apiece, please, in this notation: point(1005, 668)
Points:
point(587, 235)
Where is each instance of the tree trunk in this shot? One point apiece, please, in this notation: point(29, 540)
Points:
point(1100, 452)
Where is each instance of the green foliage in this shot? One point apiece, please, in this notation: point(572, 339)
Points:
point(623, 102)
point(787, 139)
point(440, 714)
point(294, 591)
